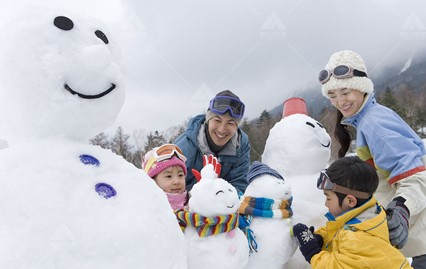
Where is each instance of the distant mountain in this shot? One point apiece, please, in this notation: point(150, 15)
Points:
point(413, 74)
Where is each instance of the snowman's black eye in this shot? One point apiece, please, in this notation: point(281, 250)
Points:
point(320, 125)
point(63, 23)
point(310, 124)
point(219, 192)
point(101, 36)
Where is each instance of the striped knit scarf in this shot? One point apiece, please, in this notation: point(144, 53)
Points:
point(207, 226)
point(266, 208)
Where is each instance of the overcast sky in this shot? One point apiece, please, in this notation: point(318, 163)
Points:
point(179, 54)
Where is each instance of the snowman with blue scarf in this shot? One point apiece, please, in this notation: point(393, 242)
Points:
point(298, 147)
point(210, 222)
point(65, 203)
point(266, 206)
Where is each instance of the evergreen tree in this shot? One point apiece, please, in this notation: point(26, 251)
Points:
point(120, 144)
point(388, 99)
point(101, 140)
point(264, 118)
point(181, 130)
point(410, 104)
point(420, 118)
point(258, 132)
point(137, 158)
point(154, 140)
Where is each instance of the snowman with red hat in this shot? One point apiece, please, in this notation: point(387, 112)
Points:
point(65, 203)
point(298, 147)
point(210, 222)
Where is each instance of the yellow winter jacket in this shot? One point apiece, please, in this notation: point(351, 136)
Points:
point(358, 239)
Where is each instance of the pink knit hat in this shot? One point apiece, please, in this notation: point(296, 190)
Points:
point(158, 167)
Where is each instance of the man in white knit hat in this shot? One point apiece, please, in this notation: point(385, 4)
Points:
point(388, 143)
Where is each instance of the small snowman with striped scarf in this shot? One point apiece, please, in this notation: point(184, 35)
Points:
point(210, 222)
point(266, 206)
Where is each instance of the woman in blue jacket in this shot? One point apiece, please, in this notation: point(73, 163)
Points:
point(384, 140)
point(217, 132)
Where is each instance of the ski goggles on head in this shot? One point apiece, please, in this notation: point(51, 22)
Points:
point(167, 151)
point(164, 152)
point(340, 71)
point(324, 183)
point(222, 104)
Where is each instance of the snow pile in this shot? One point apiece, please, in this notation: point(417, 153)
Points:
point(64, 203)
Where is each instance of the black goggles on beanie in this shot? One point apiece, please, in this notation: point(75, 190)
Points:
point(222, 104)
point(340, 71)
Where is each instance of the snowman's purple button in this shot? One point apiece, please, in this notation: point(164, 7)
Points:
point(89, 160)
point(105, 190)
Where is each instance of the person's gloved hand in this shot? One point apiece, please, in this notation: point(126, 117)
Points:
point(309, 243)
point(398, 215)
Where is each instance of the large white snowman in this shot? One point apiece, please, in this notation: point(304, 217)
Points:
point(65, 203)
point(298, 147)
point(267, 201)
point(211, 222)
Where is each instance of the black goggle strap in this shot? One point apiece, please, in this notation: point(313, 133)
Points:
point(358, 73)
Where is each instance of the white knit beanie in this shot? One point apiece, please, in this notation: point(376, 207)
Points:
point(351, 59)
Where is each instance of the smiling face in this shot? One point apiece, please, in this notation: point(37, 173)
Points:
point(347, 101)
point(213, 197)
point(61, 74)
point(221, 128)
point(297, 144)
point(171, 180)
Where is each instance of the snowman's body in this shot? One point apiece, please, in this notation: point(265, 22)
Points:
point(226, 250)
point(299, 148)
point(54, 217)
point(64, 203)
point(212, 197)
point(272, 235)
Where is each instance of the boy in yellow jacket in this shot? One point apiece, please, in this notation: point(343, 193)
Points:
point(356, 234)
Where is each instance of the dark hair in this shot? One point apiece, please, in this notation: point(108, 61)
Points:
point(342, 135)
point(355, 174)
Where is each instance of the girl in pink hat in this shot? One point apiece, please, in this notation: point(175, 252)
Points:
point(166, 166)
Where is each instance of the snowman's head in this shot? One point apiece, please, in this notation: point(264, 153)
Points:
point(296, 145)
point(61, 75)
point(213, 196)
point(267, 183)
point(268, 186)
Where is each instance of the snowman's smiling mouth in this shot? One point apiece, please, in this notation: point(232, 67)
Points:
point(86, 96)
point(326, 146)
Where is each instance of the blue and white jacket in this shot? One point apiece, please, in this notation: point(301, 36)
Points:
point(234, 158)
point(386, 141)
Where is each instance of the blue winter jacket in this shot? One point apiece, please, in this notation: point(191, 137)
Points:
point(386, 141)
point(234, 158)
